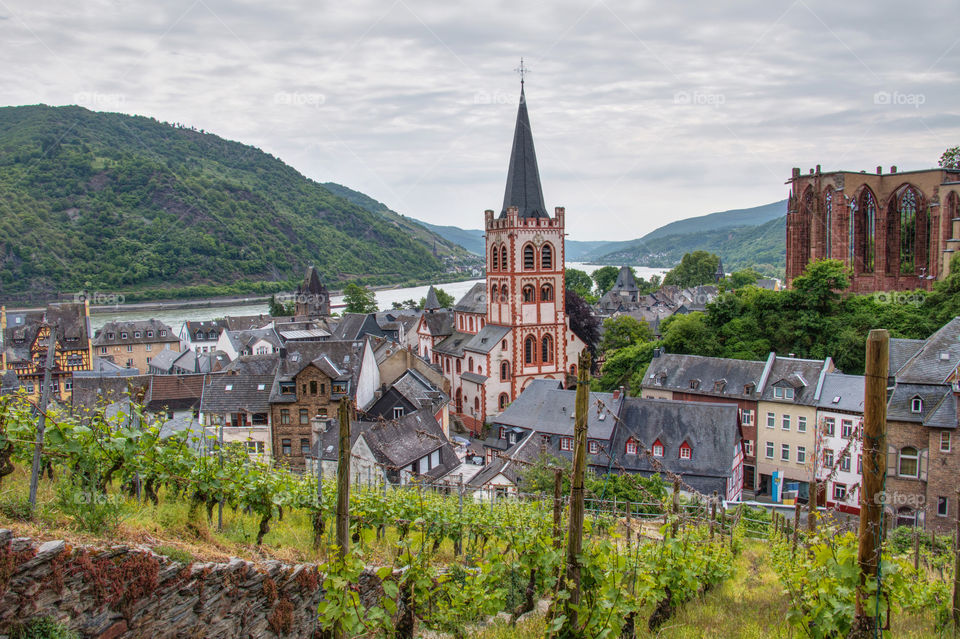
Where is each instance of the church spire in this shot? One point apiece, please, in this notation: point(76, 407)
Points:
point(523, 177)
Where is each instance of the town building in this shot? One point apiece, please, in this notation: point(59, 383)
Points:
point(312, 298)
point(26, 338)
point(133, 344)
point(201, 337)
point(839, 457)
point(236, 402)
point(511, 329)
point(896, 231)
point(254, 341)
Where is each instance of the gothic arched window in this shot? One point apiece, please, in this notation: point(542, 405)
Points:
point(546, 293)
point(907, 205)
point(546, 257)
point(529, 258)
point(865, 231)
point(504, 371)
point(528, 294)
point(505, 293)
point(547, 348)
point(494, 294)
point(494, 258)
point(529, 350)
point(503, 257)
point(827, 221)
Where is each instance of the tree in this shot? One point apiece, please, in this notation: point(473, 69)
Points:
point(626, 367)
point(582, 320)
point(950, 158)
point(446, 299)
point(359, 299)
point(279, 309)
point(694, 269)
point(689, 334)
point(622, 331)
point(579, 282)
point(739, 279)
point(605, 277)
point(820, 285)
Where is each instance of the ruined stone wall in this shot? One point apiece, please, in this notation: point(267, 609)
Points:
point(123, 591)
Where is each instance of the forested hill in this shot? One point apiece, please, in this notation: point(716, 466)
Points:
point(111, 202)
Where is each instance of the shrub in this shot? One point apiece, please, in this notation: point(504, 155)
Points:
point(42, 628)
point(174, 554)
point(93, 512)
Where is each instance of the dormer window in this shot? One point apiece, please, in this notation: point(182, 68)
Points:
point(136, 335)
point(503, 432)
point(163, 333)
point(657, 449)
point(593, 447)
point(916, 405)
point(661, 379)
point(748, 389)
point(199, 334)
point(149, 333)
point(686, 451)
point(719, 385)
point(228, 387)
point(631, 447)
point(694, 384)
point(783, 392)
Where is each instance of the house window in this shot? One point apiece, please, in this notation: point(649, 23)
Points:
point(544, 440)
point(529, 258)
point(68, 385)
point(827, 458)
point(746, 417)
point(495, 259)
point(103, 350)
point(504, 371)
point(593, 448)
point(528, 295)
point(657, 449)
point(781, 392)
point(942, 506)
point(149, 347)
point(502, 432)
point(470, 364)
point(503, 401)
point(846, 428)
point(769, 450)
point(845, 463)
point(785, 452)
point(288, 388)
point(476, 403)
point(304, 446)
point(304, 416)
point(129, 363)
point(397, 412)
point(631, 448)
point(909, 462)
point(944, 442)
point(503, 260)
point(547, 349)
point(685, 451)
point(123, 336)
point(546, 257)
point(771, 420)
point(859, 464)
point(546, 293)
point(285, 446)
point(313, 387)
point(801, 454)
point(284, 416)
point(694, 384)
point(163, 333)
point(566, 443)
point(259, 419)
point(459, 367)
point(129, 348)
point(149, 333)
point(839, 492)
point(529, 350)
point(801, 424)
point(786, 422)
point(748, 447)
point(916, 405)
point(136, 335)
point(829, 424)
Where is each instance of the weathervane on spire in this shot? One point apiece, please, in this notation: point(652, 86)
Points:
point(522, 70)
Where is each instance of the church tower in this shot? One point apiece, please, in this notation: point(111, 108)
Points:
point(525, 270)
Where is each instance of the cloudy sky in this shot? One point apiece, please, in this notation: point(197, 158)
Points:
point(642, 112)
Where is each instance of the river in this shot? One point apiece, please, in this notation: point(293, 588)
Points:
point(385, 299)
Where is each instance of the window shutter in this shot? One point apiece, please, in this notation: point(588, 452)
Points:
point(892, 458)
point(923, 465)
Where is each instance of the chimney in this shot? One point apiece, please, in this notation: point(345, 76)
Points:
point(616, 394)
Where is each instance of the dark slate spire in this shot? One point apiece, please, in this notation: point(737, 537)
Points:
point(431, 303)
point(523, 178)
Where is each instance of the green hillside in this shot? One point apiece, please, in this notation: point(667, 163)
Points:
point(110, 202)
point(761, 247)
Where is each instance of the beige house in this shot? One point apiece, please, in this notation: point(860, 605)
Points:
point(133, 344)
point(786, 426)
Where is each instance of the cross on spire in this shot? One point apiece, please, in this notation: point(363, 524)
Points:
point(522, 70)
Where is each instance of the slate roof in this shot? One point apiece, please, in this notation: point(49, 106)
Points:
point(73, 329)
point(938, 358)
point(901, 350)
point(474, 377)
point(9, 383)
point(842, 392)
point(247, 392)
point(311, 282)
point(245, 339)
point(710, 429)
point(546, 408)
point(353, 326)
point(254, 364)
point(339, 360)
point(419, 391)
point(453, 345)
point(175, 392)
point(523, 177)
point(111, 334)
point(211, 329)
point(163, 361)
point(939, 405)
point(90, 392)
point(245, 322)
point(803, 375)
point(487, 338)
point(403, 441)
point(212, 362)
point(439, 323)
point(474, 301)
point(510, 464)
point(431, 303)
point(625, 281)
point(718, 376)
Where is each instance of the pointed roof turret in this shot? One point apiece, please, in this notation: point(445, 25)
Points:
point(311, 282)
point(625, 280)
point(432, 303)
point(523, 177)
point(719, 275)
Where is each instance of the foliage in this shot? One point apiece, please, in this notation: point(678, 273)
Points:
point(626, 367)
point(81, 192)
point(42, 628)
point(174, 554)
point(694, 269)
point(579, 282)
point(359, 299)
point(622, 331)
point(950, 158)
point(582, 320)
point(445, 299)
point(741, 278)
point(605, 277)
point(279, 309)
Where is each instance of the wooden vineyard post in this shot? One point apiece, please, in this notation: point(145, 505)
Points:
point(675, 509)
point(916, 549)
point(812, 507)
point(557, 507)
point(575, 536)
point(874, 470)
point(42, 422)
point(459, 545)
point(343, 479)
point(796, 523)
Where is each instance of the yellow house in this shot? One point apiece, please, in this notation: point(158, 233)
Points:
point(133, 344)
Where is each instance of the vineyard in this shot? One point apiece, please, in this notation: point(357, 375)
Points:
point(450, 562)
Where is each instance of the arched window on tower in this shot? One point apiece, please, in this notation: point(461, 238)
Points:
point(504, 371)
point(546, 257)
point(547, 349)
point(495, 258)
point(470, 364)
point(530, 350)
point(503, 257)
point(546, 293)
point(494, 293)
point(528, 294)
point(529, 258)
point(505, 293)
